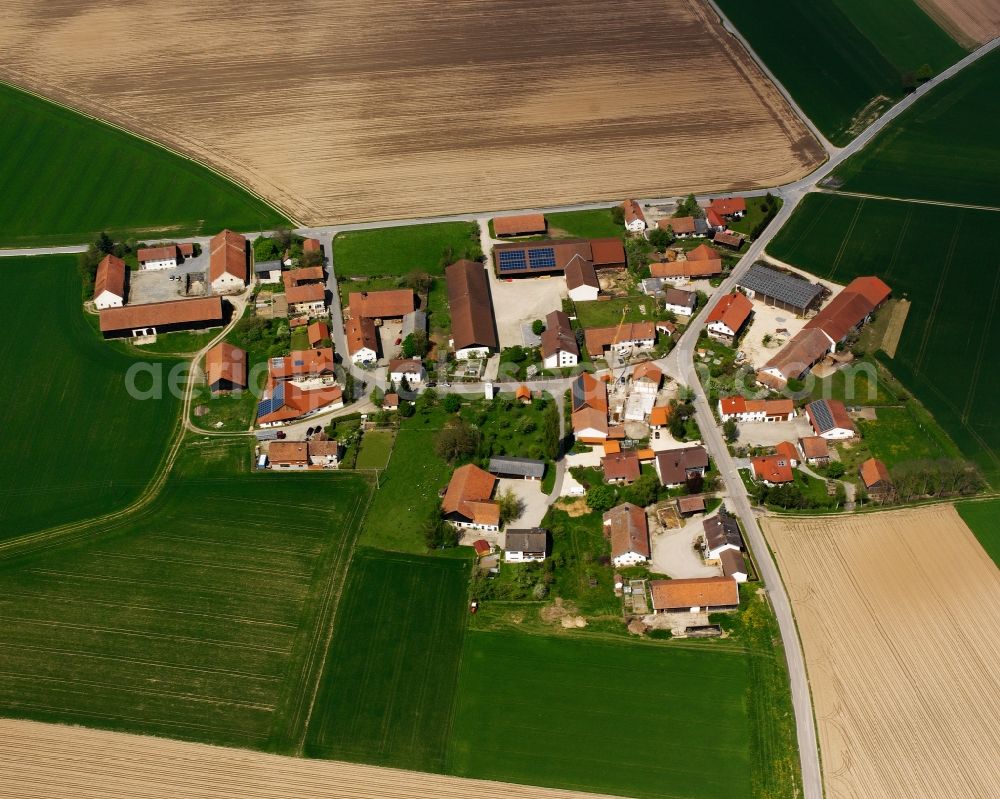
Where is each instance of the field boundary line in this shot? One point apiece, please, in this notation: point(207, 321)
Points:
point(980, 355)
point(6, 80)
point(899, 242)
point(912, 200)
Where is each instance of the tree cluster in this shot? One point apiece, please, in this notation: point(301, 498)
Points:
point(458, 440)
point(689, 207)
point(94, 254)
point(936, 478)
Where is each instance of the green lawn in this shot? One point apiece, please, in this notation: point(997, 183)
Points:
point(401, 250)
point(933, 256)
point(376, 447)
point(183, 341)
point(408, 487)
point(836, 56)
point(856, 384)
point(754, 216)
point(194, 619)
point(387, 694)
point(942, 148)
point(900, 435)
point(983, 519)
point(67, 177)
point(678, 719)
point(595, 224)
point(75, 443)
point(608, 313)
point(509, 428)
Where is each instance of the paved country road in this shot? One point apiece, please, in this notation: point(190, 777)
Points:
point(679, 364)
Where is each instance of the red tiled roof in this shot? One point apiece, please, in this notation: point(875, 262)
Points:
point(360, 334)
point(311, 245)
point(814, 447)
point(175, 312)
point(628, 529)
point(659, 416)
point(648, 371)
point(226, 362)
point(381, 304)
point(806, 348)
point(407, 365)
point(581, 273)
point(607, 252)
point(318, 332)
point(713, 218)
point(110, 277)
point(164, 253)
point(681, 225)
point(227, 255)
point(299, 402)
point(305, 274)
point(837, 412)
point(302, 363)
point(694, 592)
point(590, 419)
point(307, 292)
point(726, 206)
point(733, 310)
point(771, 407)
point(695, 269)
point(632, 211)
point(472, 320)
point(704, 253)
point(729, 239)
point(288, 452)
point(600, 338)
point(468, 494)
point(558, 335)
point(873, 471)
point(519, 225)
point(622, 465)
point(786, 449)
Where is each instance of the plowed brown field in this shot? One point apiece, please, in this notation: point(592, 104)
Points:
point(899, 614)
point(46, 761)
point(343, 111)
point(970, 22)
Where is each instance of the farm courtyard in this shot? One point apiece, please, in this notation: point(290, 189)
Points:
point(380, 98)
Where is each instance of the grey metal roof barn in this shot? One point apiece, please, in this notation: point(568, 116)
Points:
point(261, 267)
point(518, 467)
point(413, 322)
point(531, 540)
point(780, 288)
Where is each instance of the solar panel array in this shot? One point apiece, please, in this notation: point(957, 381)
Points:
point(511, 260)
point(780, 286)
point(821, 413)
point(542, 258)
point(272, 403)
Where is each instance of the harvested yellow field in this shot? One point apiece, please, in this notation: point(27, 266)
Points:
point(899, 615)
point(970, 22)
point(341, 111)
point(47, 761)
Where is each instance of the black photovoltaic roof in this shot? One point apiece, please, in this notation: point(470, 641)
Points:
point(780, 286)
point(821, 413)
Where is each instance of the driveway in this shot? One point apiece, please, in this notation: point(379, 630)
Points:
point(535, 502)
point(767, 434)
point(674, 553)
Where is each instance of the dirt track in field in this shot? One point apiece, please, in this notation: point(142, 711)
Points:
point(47, 761)
point(970, 22)
point(339, 111)
point(899, 615)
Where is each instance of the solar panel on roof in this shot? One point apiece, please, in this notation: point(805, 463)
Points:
point(298, 362)
point(511, 260)
point(821, 412)
point(273, 403)
point(542, 258)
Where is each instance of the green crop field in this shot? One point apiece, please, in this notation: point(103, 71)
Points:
point(594, 224)
point(983, 519)
point(408, 487)
point(401, 250)
point(67, 177)
point(592, 715)
point(942, 148)
point(387, 695)
point(195, 619)
point(836, 56)
point(933, 256)
point(75, 444)
point(376, 447)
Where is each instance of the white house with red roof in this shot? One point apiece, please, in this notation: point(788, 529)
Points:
point(109, 283)
point(728, 318)
point(635, 220)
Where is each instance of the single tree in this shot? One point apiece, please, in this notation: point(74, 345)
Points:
point(538, 327)
point(511, 506)
point(601, 497)
point(731, 430)
point(452, 403)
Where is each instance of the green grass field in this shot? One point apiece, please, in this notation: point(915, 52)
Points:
point(943, 148)
point(183, 341)
point(75, 443)
point(836, 56)
point(608, 313)
point(983, 519)
point(401, 250)
point(593, 715)
point(67, 177)
point(408, 487)
point(387, 694)
point(376, 447)
point(594, 224)
point(900, 435)
point(933, 256)
point(195, 619)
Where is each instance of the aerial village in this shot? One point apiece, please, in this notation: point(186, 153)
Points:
point(584, 324)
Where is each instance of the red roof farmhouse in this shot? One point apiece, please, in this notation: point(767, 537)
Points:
point(227, 262)
point(109, 283)
point(163, 317)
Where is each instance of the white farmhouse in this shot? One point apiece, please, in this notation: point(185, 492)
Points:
point(559, 346)
point(635, 220)
point(628, 530)
point(227, 262)
point(524, 546)
point(109, 284)
point(164, 257)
